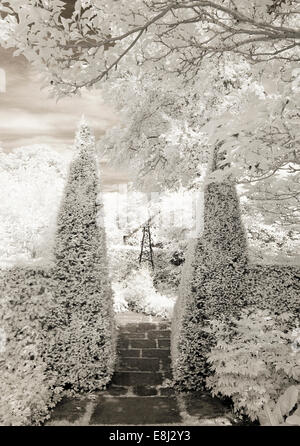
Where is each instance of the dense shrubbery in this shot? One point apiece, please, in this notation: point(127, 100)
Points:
point(255, 360)
point(168, 268)
point(137, 293)
point(27, 389)
point(141, 289)
point(212, 284)
point(31, 184)
point(123, 260)
point(274, 287)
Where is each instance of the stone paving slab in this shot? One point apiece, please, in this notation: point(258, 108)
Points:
point(142, 343)
point(204, 405)
point(130, 335)
point(138, 364)
point(70, 409)
point(164, 343)
point(125, 353)
point(117, 390)
point(137, 378)
point(156, 353)
point(145, 390)
point(164, 334)
point(136, 411)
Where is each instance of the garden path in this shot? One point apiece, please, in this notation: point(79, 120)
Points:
point(141, 391)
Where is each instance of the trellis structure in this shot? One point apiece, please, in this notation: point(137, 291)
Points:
point(146, 254)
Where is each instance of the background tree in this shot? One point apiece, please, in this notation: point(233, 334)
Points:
point(31, 183)
point(249, 103)
point(98, 36)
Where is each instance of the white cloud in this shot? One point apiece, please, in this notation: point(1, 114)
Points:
point(28, 114)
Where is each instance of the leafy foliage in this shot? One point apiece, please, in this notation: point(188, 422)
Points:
point(176, 33)
point(253, 361)
point(283, 413)
point(137, 293)
point(274, 287)
point(31, 183)
point(168, 266)
point(144, 53)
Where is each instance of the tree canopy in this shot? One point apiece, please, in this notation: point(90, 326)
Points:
point(186, 77)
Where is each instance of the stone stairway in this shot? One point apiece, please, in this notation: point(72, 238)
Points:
point(141, 390)
point(144, 362)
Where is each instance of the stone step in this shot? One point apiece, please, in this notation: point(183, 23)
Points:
point(143, 343)
point(151, 390)
point(127, 343)
point(166, 334)
point(128, 353)
point(141, 390)
point(164, 343)
point(161, 353)
point(137, 378)
point(143, 327)
point(159, 334)
point(115, 390)
point(145, 390)
point(136, 335)
point(136, 411)
point(135, 328)
point(138, 364)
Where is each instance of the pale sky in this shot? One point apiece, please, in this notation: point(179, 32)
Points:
point(28, 116)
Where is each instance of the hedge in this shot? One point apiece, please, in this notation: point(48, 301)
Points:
point(274, 287)
point(27, 389)
point(212, 283)
point(168, 267)
point(82, 318)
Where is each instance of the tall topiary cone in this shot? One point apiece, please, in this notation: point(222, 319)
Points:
point(211, 285)
point(82, 319)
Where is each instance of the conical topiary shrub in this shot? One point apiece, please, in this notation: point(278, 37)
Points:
point(212, 283)
point(82, 319)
